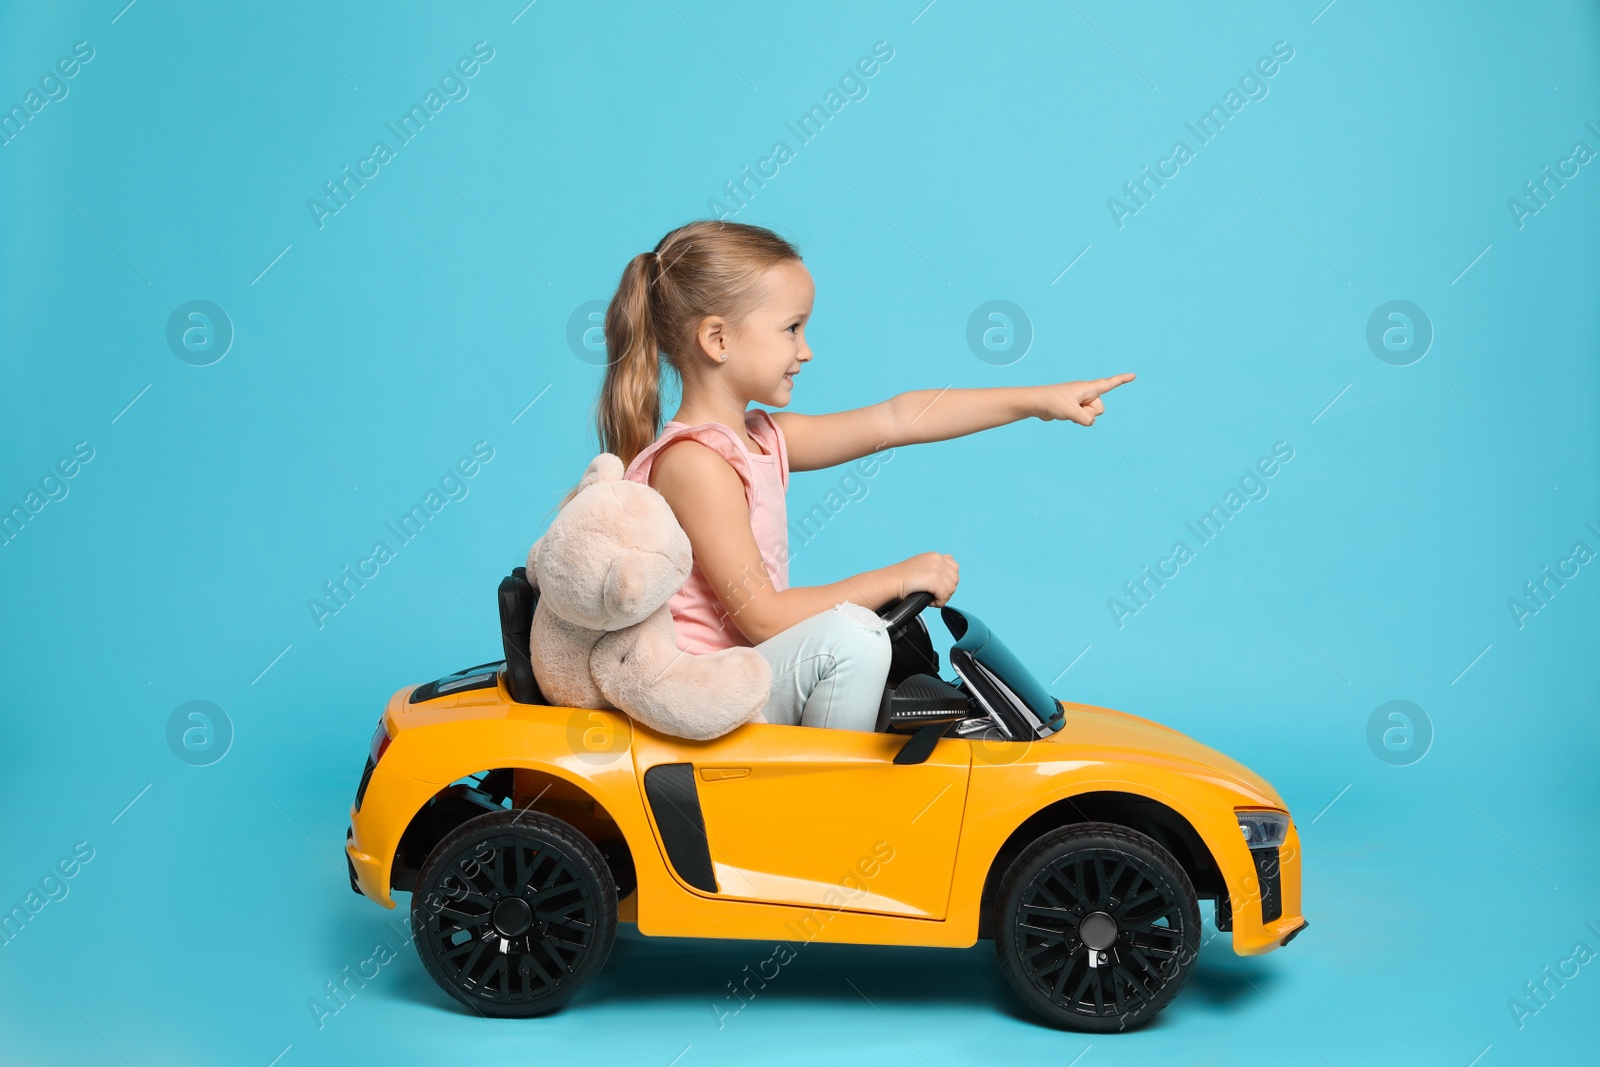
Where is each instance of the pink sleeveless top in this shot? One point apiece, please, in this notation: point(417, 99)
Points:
point(702, 622)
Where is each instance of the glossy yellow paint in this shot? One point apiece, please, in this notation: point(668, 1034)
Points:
point(815, 834)
point(819, 818)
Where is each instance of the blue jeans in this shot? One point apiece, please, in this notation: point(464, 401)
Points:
point(829, 670)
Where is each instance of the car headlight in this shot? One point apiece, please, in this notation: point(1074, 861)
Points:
point(1263, 829)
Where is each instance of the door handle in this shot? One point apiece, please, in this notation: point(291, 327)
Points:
point(722, 774)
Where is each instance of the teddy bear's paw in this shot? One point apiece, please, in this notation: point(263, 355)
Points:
point(695, 697)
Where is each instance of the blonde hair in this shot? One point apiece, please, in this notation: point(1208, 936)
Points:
point(707, 267)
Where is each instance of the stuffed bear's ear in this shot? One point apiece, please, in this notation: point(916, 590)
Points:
point(603, 468)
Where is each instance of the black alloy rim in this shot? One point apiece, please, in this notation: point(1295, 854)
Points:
point(1143, 939)
point(513, 927)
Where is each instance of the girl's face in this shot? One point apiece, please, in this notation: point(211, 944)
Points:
point(769, 347)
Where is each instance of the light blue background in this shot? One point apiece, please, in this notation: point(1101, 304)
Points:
point(429, 312)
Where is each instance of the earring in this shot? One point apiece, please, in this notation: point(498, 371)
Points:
point(722, 358)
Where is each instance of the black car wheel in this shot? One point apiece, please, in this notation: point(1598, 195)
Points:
point(512, 912)
point(1097, 926)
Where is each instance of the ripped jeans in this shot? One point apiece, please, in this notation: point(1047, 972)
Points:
point(829, 670)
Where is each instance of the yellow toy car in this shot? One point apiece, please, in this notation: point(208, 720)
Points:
point(1078, 838)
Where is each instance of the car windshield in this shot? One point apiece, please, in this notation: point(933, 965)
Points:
point(974, 637)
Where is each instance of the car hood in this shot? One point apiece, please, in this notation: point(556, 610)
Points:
point(1116, 734)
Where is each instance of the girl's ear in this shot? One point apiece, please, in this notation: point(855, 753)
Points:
point(713, 338)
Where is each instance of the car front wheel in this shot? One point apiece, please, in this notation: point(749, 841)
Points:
point(512, 912)
point(1097, 926)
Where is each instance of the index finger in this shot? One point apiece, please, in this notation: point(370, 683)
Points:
point(1105, 385)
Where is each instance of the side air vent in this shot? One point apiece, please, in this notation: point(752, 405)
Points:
point(675, 802)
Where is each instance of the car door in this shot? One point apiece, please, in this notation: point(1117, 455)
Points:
point(807, 816)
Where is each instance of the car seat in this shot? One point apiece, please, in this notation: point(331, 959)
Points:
point(518, 598)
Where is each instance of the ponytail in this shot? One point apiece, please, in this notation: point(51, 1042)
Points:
point(629, 413)
point(707, 267)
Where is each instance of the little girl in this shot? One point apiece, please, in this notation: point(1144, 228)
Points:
point(725, 305)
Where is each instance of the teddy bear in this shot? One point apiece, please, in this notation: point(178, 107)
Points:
point(602, 635)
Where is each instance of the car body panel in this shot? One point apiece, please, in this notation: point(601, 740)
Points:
point(444, 740)
point(816, 834)
point(796, 815)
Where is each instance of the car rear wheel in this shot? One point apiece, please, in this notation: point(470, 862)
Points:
point(1097, 926)
point(512, 912)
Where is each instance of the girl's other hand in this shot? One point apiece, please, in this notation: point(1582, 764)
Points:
point(1078, 401)
point(931, 572)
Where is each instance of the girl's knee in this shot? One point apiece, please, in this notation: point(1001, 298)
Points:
point(858, 634)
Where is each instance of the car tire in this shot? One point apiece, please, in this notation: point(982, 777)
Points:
point(1093, 886)
point(512, 912)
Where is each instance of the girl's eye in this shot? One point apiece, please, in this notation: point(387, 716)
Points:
point(795, 327)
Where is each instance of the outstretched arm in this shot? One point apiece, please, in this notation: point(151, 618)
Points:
point(817, 441)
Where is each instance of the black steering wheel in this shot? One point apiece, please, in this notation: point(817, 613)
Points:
point(897, 616)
